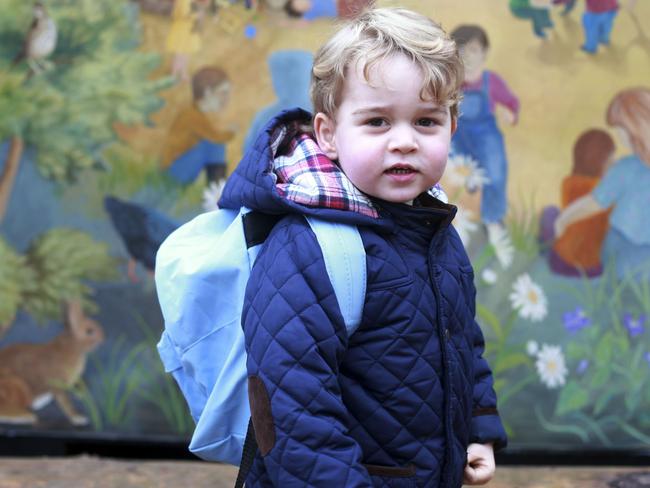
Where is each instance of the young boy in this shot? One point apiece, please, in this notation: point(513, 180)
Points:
point(194, 142)
point(478, 134)
point(407, 399)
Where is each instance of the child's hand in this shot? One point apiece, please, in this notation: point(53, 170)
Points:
point(480, 464)
point(506, 115)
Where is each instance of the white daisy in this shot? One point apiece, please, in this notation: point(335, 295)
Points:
point(211, 195)
point(501, 243)
point(551, 366)
point(489, 276)
point(464, 172)
point(532, 348)
point(528, 298)
point(455, 171)
point(464, 224)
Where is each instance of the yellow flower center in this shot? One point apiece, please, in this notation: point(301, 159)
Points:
point(532, 297)
point(551, 366)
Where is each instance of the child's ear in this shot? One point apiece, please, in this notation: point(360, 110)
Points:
point(324, 129)
point(454, 125)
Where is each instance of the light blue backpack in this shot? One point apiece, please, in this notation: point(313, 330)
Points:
point(201, 274)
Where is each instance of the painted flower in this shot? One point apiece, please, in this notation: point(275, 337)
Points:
point(212, 194)
point(634, 327)
point(464, 224)
point(528, 298)
point(551, 366)
point(647, 357)
point(489, 276)
point(532, 348)
point(476, 177)
point(582, 366)
point(576, 320)
point(464, 172)
point(501, 243)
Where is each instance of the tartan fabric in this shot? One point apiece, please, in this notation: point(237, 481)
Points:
point(308, 177)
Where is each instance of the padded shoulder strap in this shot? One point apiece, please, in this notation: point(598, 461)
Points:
point(345, 260)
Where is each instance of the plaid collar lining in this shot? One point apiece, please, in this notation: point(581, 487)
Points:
point(308, 177)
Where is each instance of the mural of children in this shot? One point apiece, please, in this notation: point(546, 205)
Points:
point(597, 22)
point(569, 5)
point(578, 251)
point(625, 187)
point(310, 9)
point(290, 73)
point(194, 141)
point(537, 11)
point(314, 9)
point(184, 38)
point(478, 135)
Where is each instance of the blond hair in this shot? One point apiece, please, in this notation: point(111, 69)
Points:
point(377, 34)
point(630, 110)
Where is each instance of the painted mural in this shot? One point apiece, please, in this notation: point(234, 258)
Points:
point(120, 120)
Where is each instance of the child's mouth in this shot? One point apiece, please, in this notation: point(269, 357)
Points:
point(400, 169)
point(401, 173)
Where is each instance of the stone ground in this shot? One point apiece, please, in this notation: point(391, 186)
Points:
point(93, 472)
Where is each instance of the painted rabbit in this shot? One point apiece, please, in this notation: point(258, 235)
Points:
point(31, 374)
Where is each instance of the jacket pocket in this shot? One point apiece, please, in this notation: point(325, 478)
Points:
point(392, 476)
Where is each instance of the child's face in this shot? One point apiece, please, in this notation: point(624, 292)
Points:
point(215, 99)
point(473, 54)
point(389, 142)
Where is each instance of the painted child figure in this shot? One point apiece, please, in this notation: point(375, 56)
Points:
point(598, 22)
point(195, 142)
point(478, 134)
point(407, 399)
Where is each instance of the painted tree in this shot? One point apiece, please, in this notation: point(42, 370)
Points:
point(95, 78)
point(55, 268)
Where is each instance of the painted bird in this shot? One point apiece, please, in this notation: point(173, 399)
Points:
point(142, 230)
point(40, 41)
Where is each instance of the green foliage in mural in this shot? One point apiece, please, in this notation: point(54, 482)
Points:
point(15, 278)
point(54, 269)
point(607, 341)
point(117, 379)
point(93, 79)
point(133, 375)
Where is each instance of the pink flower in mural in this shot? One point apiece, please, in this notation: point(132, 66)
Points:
point(576, 320)
point(551, 366)
point(634, 327)
point(528, 298)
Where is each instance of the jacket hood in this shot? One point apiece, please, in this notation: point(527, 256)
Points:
point(254, 184)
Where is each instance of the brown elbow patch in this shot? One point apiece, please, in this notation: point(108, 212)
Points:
point(484, 411)
point(261, 414)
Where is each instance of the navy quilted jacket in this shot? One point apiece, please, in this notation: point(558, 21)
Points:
point(395, 404)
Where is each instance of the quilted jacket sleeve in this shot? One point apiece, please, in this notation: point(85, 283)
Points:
point(486, 424)
point(295, 338)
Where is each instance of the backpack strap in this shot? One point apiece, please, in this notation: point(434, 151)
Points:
point(345, 261)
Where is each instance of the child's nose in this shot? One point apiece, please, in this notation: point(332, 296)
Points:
point(402, 139)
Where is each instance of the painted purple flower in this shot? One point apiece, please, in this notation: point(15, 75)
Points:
point(634, 327)
point(647, 357)
point(576, 320)
point(582, 366)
